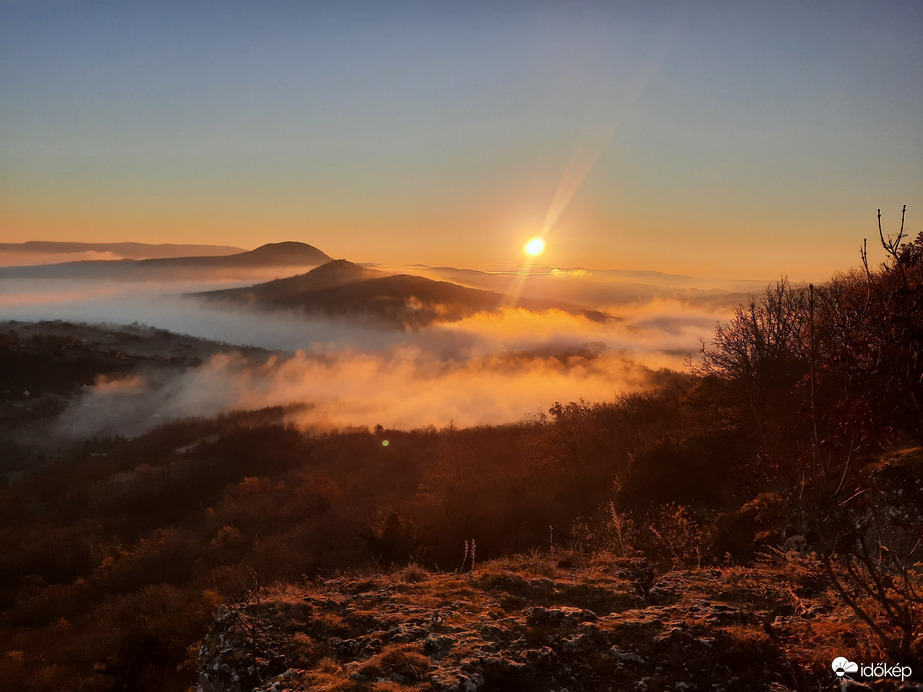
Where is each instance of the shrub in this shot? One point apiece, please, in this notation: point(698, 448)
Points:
point(392, 538)
point(672, 539)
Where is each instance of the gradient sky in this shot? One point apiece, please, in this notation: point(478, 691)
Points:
point(724, 138)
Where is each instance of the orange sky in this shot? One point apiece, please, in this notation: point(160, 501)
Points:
point(719, 139)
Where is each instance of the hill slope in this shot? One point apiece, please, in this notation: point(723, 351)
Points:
point(286, 254)
point(344, 289)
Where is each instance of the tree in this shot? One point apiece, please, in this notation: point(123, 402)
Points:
point(840, 358)
point(757, 360)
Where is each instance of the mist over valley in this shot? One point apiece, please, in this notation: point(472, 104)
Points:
point(353, 345)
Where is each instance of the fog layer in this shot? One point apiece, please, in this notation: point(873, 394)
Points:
point(490, 368)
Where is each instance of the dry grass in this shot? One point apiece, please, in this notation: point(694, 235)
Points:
point(413, 574)
point(404, 660)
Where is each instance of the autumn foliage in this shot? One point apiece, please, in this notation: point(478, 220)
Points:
point(115, 555)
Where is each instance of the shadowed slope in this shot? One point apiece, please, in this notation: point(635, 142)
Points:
point(341, 288)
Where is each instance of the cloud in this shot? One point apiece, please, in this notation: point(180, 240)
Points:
point(107, 384)
point(569, 272)
point(666, 326)
point(33, 295)
point(403, 387)
point(486, 369)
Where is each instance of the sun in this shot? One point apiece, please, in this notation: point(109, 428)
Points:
point(534, 247)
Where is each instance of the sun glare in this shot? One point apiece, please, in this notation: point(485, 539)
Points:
point(534, 247)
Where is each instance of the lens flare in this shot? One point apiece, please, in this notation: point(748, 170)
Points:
point(534, 247)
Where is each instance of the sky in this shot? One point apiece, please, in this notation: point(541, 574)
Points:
point(747, 140)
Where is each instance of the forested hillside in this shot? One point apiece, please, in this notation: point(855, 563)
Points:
point(789, 453)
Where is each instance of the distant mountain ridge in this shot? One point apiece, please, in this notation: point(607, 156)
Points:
point(285, 254)
point(343, 289)
point(137, 251)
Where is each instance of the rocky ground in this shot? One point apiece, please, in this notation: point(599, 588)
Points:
point(540, 622)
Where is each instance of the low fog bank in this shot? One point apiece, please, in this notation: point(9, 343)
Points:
point(167, 306)
point(486, 369)
point(403, 387)
point(659, 323)
point(599, 289)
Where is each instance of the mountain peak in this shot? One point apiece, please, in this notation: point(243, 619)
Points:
point(289, 252)
point(339, 266)
point(332, 273)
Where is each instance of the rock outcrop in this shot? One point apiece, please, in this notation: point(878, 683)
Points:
point(506, 628)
